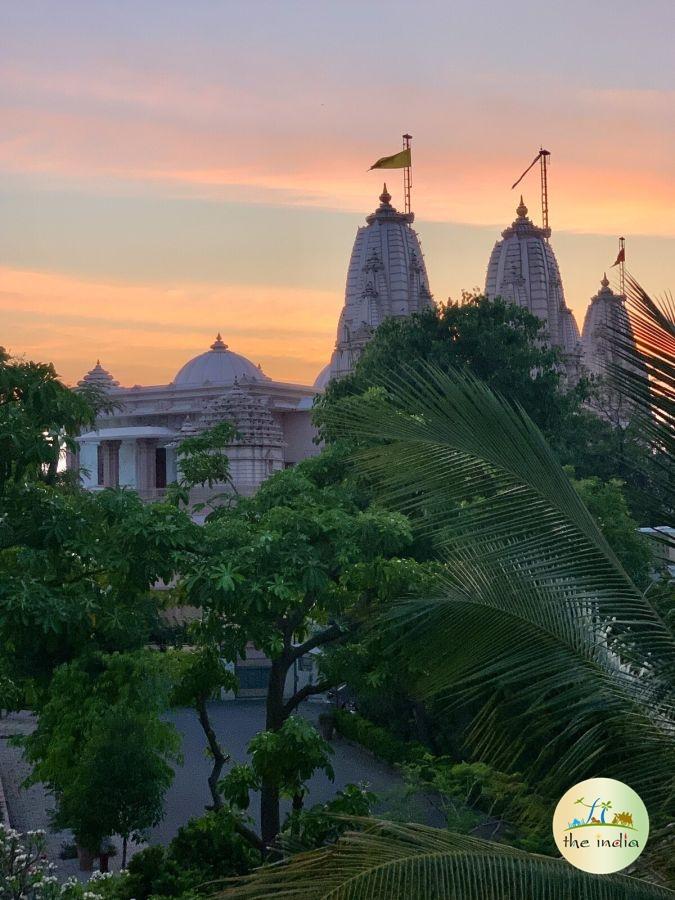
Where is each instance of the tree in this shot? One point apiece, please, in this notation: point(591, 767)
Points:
point(533, 620)
point(644, 375)
point(280, 571)
point(76, 573)
point(200, 674)
point(504, 346)
point(284, 759)
point(498, 342)
point(38, 417)
point(101, 747)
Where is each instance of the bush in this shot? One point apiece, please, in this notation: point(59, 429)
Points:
point(376, 739)
point(207, 849)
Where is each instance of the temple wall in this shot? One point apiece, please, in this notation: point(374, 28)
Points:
point(298, 436)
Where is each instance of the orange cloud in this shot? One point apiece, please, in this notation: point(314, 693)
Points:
point(143, 333)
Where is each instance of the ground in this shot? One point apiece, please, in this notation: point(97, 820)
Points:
point(235, 723)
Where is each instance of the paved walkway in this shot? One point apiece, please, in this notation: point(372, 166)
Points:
point(235, 722)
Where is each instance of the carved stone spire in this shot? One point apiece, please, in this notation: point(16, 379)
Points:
point(98, 376)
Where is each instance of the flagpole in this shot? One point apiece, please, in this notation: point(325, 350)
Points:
point(407, 174)
point(622, 266)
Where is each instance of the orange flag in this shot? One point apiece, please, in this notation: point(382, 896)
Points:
point(620, 258)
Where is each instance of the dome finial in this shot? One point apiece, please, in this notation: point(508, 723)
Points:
point(522, 209)
point(605, 280)
point(218, 344)
point(385, 196)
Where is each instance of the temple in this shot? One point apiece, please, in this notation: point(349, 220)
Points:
point(135, 444)
point(386, 277)
point(523, 270)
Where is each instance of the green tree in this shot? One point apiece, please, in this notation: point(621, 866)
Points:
point(498, 342)
point(200, 673)
point(77, 571)
point(280, 571)
point(285, 759)
point(533, 621)
point(38, 418)
point(101, 747)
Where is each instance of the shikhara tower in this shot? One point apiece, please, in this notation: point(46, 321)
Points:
point(606, 317)
point(386, 277)
point(523, 270)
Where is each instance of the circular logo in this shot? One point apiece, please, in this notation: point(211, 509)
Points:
point(600, 825)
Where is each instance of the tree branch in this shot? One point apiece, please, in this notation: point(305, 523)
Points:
point(307, 691)
point(249, 834)
point(317, 640)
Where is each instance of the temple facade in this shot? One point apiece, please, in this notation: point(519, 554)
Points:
point(135, 444)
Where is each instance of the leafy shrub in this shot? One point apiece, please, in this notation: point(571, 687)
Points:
point(310, 828)
point(205, 850)
point(376, 739)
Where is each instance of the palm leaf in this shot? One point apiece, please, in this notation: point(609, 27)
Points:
point(642, 371)
point(649, 349)
point(534, 620)
point(388, 861)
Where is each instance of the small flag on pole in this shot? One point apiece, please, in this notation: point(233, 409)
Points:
point(620, 258)
point(400, 160)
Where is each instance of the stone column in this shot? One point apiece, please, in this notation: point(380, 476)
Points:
point(111, 463)
point(146, 479)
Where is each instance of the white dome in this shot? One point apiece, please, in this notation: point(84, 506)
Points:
point(322, 379)
point(218, 366)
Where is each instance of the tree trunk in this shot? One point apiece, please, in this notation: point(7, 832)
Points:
point(124, 851)
point(269, 795)
point(219, 758)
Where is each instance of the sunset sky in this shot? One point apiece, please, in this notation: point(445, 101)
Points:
point(170, 169)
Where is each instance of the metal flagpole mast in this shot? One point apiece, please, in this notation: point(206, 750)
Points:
point(622, 266)
point(543, 157)
point(407, 174)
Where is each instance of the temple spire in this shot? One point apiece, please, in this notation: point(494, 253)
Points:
point(218, 344)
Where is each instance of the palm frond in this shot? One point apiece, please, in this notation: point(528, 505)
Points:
point(644, 367)
point(388, 861)
point(535, 618)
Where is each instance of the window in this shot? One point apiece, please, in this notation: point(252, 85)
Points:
point(99, 464)
point(253, 677)
point(160, 467)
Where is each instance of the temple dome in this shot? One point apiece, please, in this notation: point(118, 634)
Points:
point(523, 270)
point(322, 379)
point(218, 366)
point(386, 277)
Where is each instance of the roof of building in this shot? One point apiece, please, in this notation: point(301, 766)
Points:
point(219, 365)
